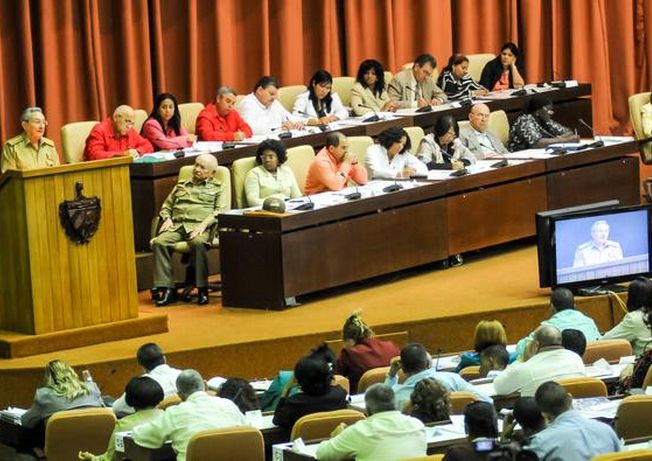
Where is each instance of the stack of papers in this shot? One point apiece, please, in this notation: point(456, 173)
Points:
point(12, 415)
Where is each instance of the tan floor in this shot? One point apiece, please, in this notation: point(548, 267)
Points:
point(504, 278)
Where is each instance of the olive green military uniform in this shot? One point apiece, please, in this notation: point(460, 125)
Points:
point(20, 154)
point(187, 205)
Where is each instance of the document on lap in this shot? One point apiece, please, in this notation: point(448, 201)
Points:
point(12, 415)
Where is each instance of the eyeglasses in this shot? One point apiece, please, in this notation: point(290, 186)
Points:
point(39, 122)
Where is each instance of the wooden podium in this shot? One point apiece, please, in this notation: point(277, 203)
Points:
point(49, 283)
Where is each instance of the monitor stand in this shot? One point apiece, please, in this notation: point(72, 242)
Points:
point(599, 290)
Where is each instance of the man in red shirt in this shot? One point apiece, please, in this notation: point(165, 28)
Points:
point(333, 166)
point(220, 121)
point(116, 136)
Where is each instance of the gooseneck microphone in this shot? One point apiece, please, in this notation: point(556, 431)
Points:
point(309, 205)
point(393, 187)
point(373, 118)
point(321, 126)
point(423, 109)
point(354, 195)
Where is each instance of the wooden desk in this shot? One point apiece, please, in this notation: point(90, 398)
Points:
point(295, 254)
point(152, 182)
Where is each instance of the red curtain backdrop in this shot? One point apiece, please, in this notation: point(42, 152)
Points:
point(78, 59)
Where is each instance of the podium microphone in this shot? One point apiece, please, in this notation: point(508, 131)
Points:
point(373, 118)
point(423, 109)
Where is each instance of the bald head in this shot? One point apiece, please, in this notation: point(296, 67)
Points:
point(188, 382)
point(123, 119)
point(547, 335)
point(479, 117)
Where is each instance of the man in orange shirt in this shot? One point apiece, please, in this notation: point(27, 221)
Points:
point(333, 166)
point(220, 121)
point(116, 136)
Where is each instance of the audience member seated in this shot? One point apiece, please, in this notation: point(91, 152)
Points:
point(385, 434)
point(187, 213)
point(456, 81)
point(142, 394)
point(30, 149)
point(429, 402)
point(197, 412)
point(319, 104)
point(317, 393)
point(487, 333)
point(391, 157)
point(240, 392)
point(270, 177)
point(646, 118)
point(442, 149)
point(116, 136)
point(334, 166)
point(477, 138)
point(480, 423)
point(526, 414)
point(503, 72)
point(63, 390)
point(569, 436)
point(415, 87)
point(573, 340)
point(219, 121)
point(535, 127)
point(163, 127)
point(368, 93)
point(633, 376)
point(549, 360)
point(417, 365)
point(263, 112)
point(565, 315)
point(284, 382)
point(632, 327)
point(150, 356)
point(362, 351)
point(493, 360)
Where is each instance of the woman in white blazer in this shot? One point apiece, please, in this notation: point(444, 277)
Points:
point(319, 104)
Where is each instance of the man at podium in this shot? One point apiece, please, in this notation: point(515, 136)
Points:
point(187, 213)
point(30, 149)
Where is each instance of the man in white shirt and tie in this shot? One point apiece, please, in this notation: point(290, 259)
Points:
point(478, 138)
point(263, 112)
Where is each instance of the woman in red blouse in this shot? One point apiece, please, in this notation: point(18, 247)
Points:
point(362, 351)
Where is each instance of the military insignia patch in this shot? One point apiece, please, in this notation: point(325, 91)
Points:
point(80, 217)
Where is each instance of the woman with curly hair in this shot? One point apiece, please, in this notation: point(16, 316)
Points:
point(429, 402)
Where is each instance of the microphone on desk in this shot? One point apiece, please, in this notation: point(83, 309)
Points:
point(283, 134)
point(309, 205)
point(393, 187)
point(460, 172)
point(321, 126)
point(354, 195)
point(423, 109)
point(439, 352)
point(373, 118)
point(594, 144)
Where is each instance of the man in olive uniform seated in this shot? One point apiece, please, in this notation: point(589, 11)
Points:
point(187, 213)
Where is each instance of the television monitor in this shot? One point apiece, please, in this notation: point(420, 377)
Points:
point(599, 247)
point(544, 234)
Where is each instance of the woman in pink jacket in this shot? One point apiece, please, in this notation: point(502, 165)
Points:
point(163, 126)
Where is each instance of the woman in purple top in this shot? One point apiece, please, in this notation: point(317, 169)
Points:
point(163, 126)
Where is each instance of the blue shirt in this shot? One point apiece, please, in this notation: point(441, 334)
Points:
point(451, 381)
point(562, 320)
point(573, 437)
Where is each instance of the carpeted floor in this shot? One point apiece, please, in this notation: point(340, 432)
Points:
point(437, 307)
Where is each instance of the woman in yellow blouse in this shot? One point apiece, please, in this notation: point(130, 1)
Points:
point(270, 177)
